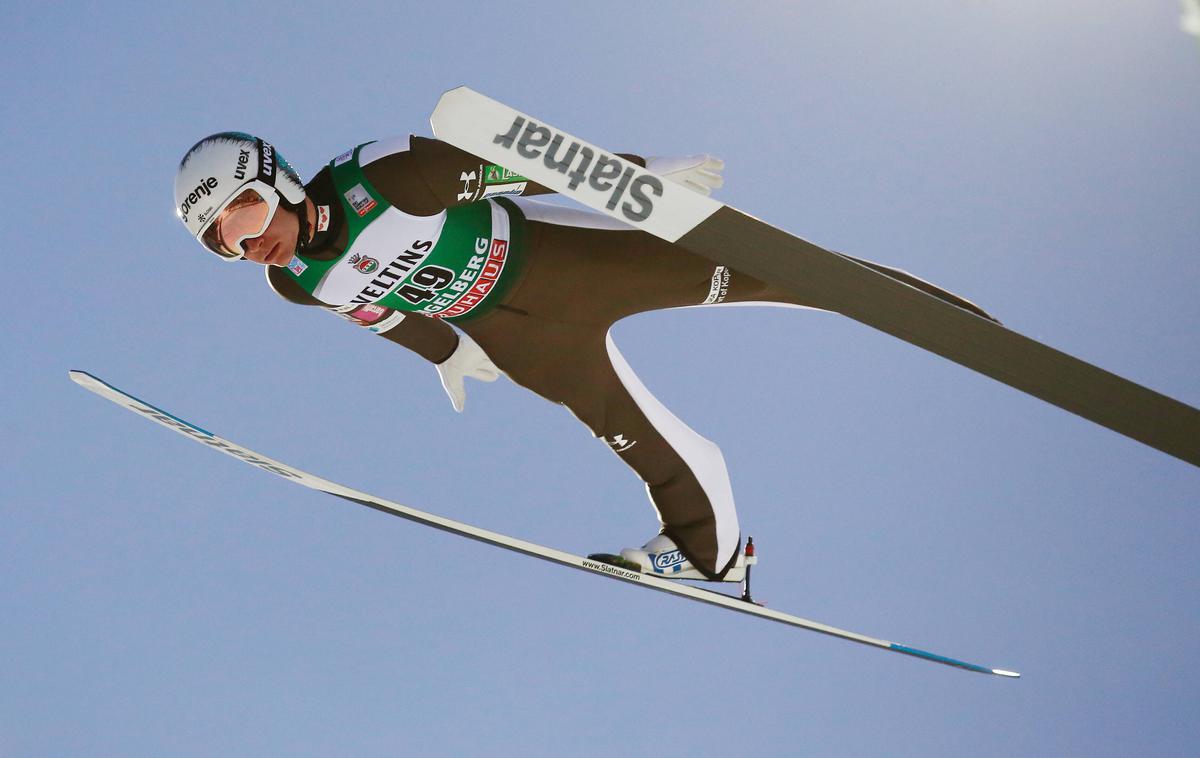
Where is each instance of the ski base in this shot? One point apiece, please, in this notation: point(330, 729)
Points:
point(552, 555)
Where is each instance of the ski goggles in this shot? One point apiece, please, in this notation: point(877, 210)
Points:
point(244, 216)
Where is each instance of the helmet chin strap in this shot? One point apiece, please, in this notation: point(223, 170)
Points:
point(304, 236)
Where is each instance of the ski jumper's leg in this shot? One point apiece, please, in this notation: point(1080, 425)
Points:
point(653, 273)
point(588, 268)
point(924, 286)
point(729, 287)
point(576, 365)
point(583, 273)
point(685, 518)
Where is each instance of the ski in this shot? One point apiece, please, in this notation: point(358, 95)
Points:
point(198, 434)
point(605, 182)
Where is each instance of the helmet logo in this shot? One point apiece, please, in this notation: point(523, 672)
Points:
point(243, 161)
point(203, 189)
point(267, 162)
point(362, 264)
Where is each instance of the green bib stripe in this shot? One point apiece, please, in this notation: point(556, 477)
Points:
point(460, 264)
point(488, 261)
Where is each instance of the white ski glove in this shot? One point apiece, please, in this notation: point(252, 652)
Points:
point(468, 359)
point(699, 173)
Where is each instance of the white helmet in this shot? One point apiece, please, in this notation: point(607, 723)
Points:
point(218, 169)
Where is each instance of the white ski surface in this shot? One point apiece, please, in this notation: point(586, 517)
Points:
point(480, 125)
point(169, 420)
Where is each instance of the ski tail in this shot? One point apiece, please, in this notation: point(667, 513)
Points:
point(950, 661)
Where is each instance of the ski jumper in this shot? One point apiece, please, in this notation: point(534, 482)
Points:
point(414, 234)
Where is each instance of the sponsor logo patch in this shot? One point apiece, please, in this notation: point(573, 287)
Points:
point(209, 439)
point(266, 163)
point(297, 266)
point(243, 162)
point(619, 443)
point(382, 326)
point(363, 264)
point(605, 568)
point(360, 200)
point(322, 217)
point(203, 189)
point(490, 180)
point(343, 157)
point(394, 272)
point(369, 314)
point(488, 275)
point(493, 174)
point(467, 179)
point(503, 189)
point(719, 288)
point(667, 563)
point(630, 189)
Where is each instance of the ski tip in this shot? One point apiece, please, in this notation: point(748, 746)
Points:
point(1010, 674)
point(88, 381)
point(81, 377)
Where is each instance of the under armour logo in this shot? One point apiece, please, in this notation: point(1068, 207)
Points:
point(619, 443)
point(467, 179)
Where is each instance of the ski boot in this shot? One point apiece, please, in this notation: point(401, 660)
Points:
point(662, 557)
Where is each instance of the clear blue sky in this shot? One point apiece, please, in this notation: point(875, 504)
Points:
point(158, 599)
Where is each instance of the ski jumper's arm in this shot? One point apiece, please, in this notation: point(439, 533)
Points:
point(454, 356)
point(432, 175)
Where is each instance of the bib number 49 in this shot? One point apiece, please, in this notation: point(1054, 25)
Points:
point(424, 284)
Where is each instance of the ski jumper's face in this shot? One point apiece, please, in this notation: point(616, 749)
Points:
point(275, 246)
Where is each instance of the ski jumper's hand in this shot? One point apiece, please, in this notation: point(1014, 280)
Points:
point(699, 173)
point(468, 359)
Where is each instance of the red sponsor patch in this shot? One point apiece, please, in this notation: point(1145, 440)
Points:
point(488, 276)
point(369, 314)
